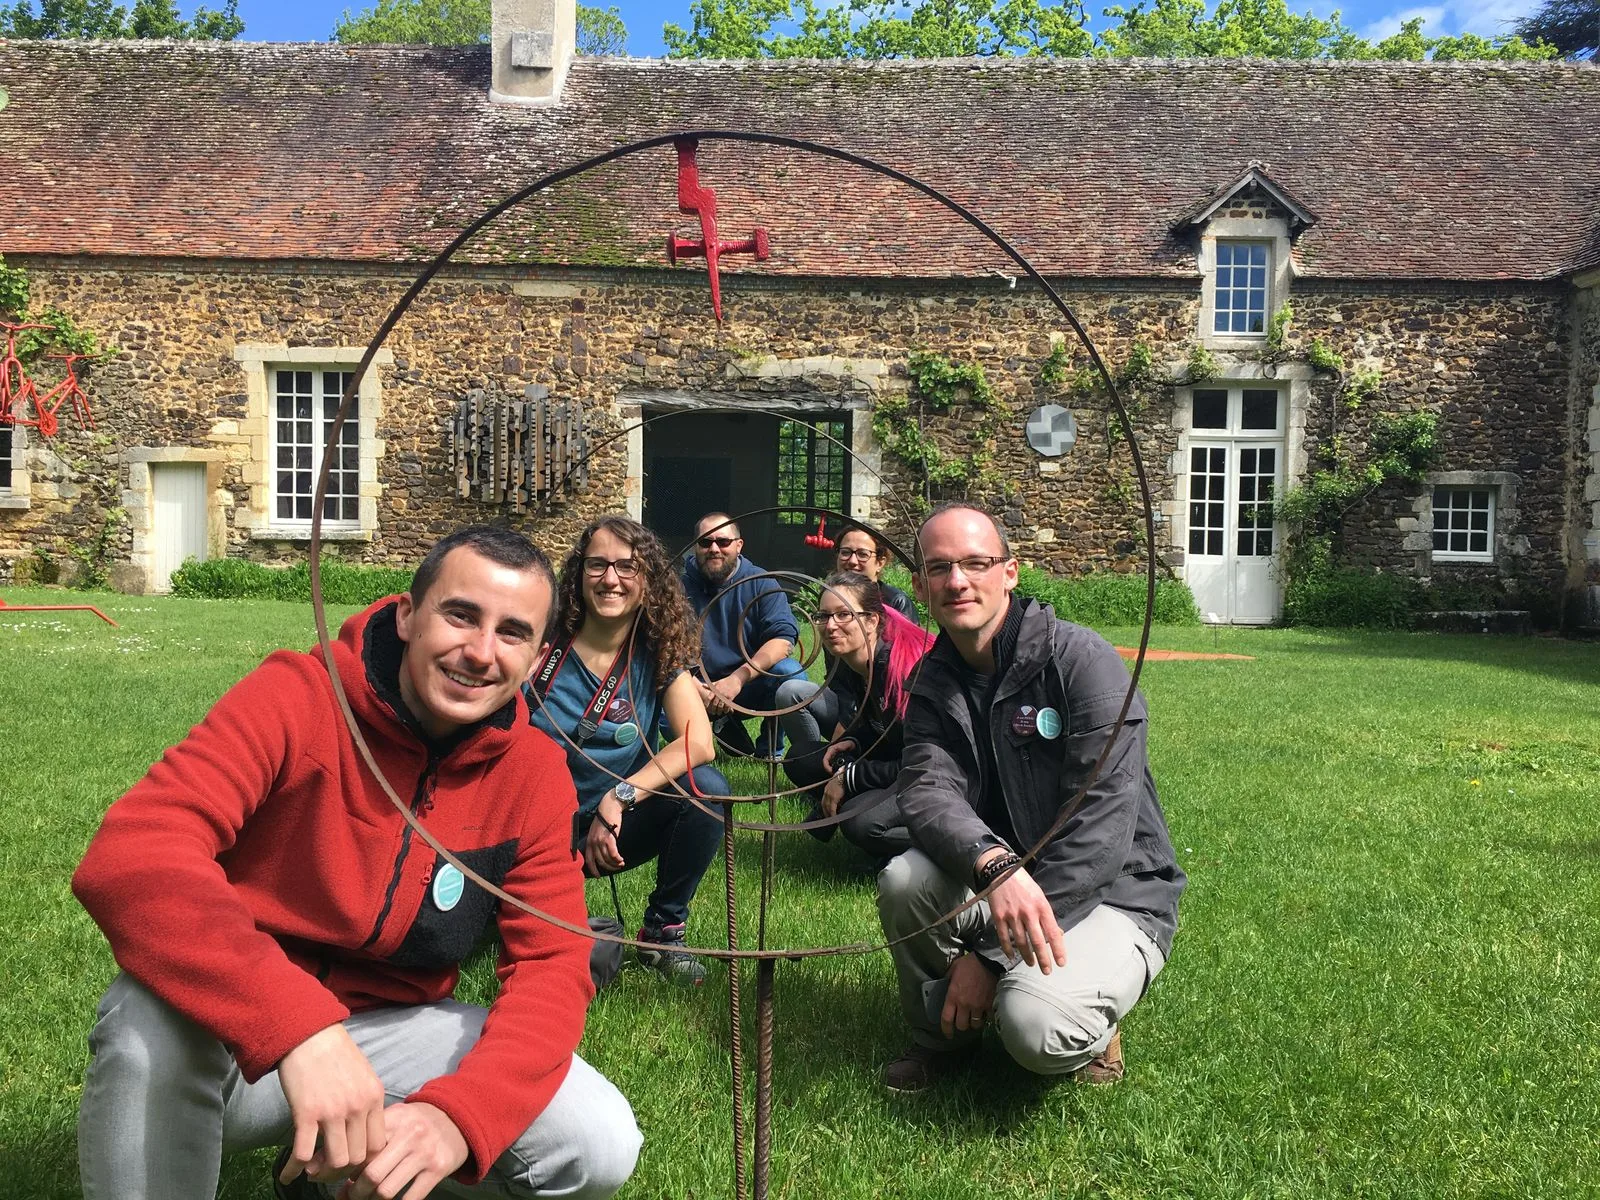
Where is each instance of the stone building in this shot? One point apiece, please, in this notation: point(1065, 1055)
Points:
point(237, 220)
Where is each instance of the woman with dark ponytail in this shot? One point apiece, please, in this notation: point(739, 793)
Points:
point(876, 651)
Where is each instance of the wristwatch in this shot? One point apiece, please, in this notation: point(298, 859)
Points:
point(625, 793)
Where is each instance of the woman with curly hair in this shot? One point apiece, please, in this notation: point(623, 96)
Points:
point(876, 650)
point(624, 636)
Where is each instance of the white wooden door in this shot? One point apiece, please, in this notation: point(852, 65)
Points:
point(1233, 539)
point(178, 525)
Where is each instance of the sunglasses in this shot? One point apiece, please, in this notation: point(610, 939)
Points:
point(721, 543)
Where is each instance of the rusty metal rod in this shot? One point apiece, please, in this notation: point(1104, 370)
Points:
point(735, 1018)
point(764, 973)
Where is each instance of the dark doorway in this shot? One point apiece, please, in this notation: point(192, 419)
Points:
point(695, 463)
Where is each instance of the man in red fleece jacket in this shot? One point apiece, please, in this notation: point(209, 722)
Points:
point(289, 946)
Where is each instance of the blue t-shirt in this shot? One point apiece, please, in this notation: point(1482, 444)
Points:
point(637, 703)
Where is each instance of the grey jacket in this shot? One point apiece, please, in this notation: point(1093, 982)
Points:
point(1115, 849)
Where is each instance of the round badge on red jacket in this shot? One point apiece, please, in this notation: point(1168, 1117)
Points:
point(448, 884)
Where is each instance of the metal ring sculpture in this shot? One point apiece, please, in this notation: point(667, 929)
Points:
point(764, 957)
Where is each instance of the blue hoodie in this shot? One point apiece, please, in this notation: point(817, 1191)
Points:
point(768, 617)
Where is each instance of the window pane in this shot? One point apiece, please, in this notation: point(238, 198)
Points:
point(1197, 541)
point(1214, 542)
point(1259, 410)
point(1247, 462)
point(1210, 410)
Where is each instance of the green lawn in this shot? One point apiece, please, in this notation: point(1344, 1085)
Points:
point(1384, 983)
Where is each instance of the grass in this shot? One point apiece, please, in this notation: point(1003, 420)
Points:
point(1383, 984)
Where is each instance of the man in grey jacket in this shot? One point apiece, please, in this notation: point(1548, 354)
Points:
point(1008, 716)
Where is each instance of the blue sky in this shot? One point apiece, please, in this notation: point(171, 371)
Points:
point(313, 20)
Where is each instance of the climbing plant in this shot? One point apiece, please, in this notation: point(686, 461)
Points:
point(62, 333)
point(939, 386)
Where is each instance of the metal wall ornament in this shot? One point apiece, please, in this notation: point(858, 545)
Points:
point(734, 954)
point(1051, 430)
point(519, 452)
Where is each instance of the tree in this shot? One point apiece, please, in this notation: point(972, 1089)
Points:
point(1571, 26)
point(1150, 28)
point(465, 23)
point(106, 20)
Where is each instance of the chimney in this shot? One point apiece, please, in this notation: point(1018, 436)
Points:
point(533, 44)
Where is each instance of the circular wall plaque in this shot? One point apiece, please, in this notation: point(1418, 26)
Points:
point(1052, 430)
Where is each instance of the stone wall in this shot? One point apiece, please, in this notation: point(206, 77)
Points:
point(1585, 407)
point(176, 382)
point(1491, 360)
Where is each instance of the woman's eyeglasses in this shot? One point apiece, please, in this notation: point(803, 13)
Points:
point(626, 568)
point(721, 543)
point(837, 616)
point(851, 555)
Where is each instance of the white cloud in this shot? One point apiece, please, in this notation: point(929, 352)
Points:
point(1432, 16)
point(1487, 18)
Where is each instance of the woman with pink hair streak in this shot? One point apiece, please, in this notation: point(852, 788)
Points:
point(876, 650)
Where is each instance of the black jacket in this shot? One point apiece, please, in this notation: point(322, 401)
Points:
point(1115, 849)
point(867, 721)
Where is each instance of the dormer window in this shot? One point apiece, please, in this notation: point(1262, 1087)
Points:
point(1241, 280)
point(1244, 232)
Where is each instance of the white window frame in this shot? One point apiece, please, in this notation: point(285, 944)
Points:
point(260, 363)
point(1477, 556)
point(306, 458)
point(1228, 248)
point(1273, 232)
point(1234, 429)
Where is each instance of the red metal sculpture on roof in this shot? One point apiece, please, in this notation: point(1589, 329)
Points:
point(702, 202)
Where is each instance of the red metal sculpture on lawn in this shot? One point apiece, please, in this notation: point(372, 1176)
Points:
point(702, 202)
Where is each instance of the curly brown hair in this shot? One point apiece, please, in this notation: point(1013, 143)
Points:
point(667, 627)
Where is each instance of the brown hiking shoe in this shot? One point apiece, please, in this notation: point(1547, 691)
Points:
point(920, 1067)
point(1105, 1067)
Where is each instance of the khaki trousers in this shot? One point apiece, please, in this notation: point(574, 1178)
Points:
point(1051, 1024)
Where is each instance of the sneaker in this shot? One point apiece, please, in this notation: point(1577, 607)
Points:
point(920, 1067)
point(676, 963)
point(1105, 1067)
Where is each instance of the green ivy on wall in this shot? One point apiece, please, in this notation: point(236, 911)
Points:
point(62, 334)
point(939, 386)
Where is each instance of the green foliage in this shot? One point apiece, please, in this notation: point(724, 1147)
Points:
point(1106, 599)
point(237, 579)
point(938, 386)
point(1140, 368)
point(883, 29)
point(1278, 326)
point(104, 20)
point(1323, 356)
point(1321, 591)
point(1351, 598)
point(1053, 370)
point(465, 23)
point(1570, 27)
point(92, 556)
point(1202, 365)
point(13, 290)
point(1360, 388)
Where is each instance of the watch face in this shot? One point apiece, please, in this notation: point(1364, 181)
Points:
point(626, 793)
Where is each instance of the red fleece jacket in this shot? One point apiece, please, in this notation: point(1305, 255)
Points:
point(260, 882)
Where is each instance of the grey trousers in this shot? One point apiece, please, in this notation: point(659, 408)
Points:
point(1050, 1024)
point(163, 1101)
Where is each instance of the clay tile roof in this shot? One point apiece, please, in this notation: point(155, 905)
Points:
point(380, 153)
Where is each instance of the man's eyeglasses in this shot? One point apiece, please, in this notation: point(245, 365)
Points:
point(626, 568)
point(721, 543)
point(939, 569)
point(837, 616)
point(863, 555)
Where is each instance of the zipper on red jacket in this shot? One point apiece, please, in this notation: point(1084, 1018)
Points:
point(421, 802)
